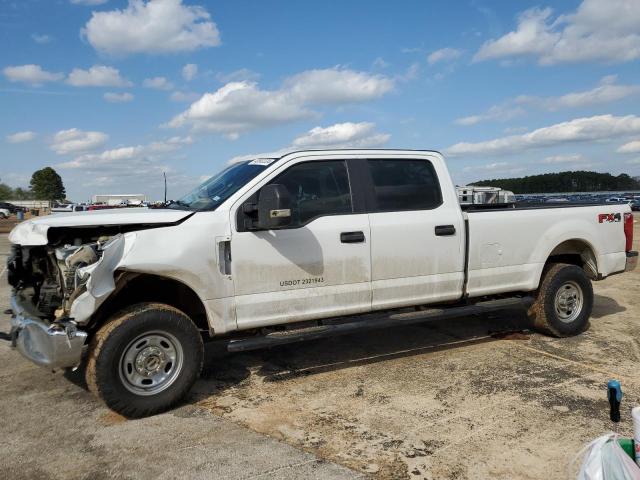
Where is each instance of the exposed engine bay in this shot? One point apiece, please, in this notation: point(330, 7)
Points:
point(64, 273)
point(52, 277)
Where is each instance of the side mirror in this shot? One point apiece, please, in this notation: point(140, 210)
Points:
point(274, 207)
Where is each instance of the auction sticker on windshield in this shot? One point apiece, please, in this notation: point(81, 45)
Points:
point(262, 161)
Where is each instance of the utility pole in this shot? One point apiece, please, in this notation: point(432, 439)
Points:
point(165, 187)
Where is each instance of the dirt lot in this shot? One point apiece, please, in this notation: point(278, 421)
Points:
point(450, 399)
point(6, 224)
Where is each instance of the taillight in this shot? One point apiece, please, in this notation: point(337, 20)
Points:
point(628, 230)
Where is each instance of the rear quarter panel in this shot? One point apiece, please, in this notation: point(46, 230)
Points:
point(508, 248)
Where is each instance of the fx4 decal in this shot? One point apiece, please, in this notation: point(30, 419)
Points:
point(609, 217)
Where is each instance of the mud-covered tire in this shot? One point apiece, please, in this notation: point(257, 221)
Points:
point(563, 301)
point(120, 366)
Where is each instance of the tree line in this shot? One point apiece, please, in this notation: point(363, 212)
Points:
point(578, 181)
point(45, 184)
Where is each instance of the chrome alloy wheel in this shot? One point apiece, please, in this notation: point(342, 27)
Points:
point(569, 301)
point(151, 363)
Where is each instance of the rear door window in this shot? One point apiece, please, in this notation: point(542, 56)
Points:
point(404, 185)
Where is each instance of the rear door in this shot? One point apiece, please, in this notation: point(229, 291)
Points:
point(319, 266)
point(417, 235)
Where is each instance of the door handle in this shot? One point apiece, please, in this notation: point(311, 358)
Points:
point(352, 237)
point(445, 230)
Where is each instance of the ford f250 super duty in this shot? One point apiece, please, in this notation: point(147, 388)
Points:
point(278, 250)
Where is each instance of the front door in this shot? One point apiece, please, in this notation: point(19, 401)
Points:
point(319, 266)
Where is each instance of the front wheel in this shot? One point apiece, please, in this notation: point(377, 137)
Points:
point(563, 302)
point(144, 359)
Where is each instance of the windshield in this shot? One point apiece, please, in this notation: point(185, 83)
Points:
point(218, 188)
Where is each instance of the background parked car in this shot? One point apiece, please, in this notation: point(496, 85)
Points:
point(11, 207)
point(4, 213)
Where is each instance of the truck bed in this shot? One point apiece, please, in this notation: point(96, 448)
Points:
point(507, 247)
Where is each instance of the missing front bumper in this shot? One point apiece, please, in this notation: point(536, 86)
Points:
point(52, 345)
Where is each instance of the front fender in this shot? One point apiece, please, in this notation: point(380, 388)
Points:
point(101, 283)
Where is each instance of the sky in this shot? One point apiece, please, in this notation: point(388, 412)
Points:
point(112, 93)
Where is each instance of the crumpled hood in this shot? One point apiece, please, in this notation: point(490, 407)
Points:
point(34, 231)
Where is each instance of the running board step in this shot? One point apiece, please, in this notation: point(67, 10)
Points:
point(373, 322)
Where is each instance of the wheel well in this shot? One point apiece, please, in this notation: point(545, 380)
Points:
point(134, 288)
point(576, 252)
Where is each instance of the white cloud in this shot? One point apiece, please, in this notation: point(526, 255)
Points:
point(443, 55)
point(601, 127)
point(97, 76)
point(21, 137)
point(189, 71)
point(490, 167)
point(238, 107)
point(179, 96)
point(118, 166)
point(530, 38)
point(598, 30)
point(114, 155)
point(170, 144)
point(76, 141)
point(41, 39)
point(564, 158)
point(497, 112)
point(159, 83)
point(379, 62)
point(606, 92)
point(339, 135)
point(411, 73)
point(90, 3)
point(494, 169)
point(342, 135)
point(32, 74)
point(118, 97)
point(241, 75)
point(156, 26)
point(337, 85)
point(631, 147)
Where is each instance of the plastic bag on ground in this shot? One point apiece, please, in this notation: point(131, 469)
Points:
point(606, 460)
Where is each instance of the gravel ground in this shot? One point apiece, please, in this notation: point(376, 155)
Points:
point(53, 428)
point(470, 398)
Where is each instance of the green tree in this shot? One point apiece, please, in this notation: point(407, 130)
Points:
point(20, 193)
point(579, 181)
point(5, 191)
point(46, 184)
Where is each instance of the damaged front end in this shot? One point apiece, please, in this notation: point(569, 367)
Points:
point(56, 289)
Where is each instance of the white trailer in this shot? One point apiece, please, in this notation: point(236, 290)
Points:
point(119, 199)
point(473, 195)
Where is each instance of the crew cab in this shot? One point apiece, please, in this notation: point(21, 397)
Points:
point(276, 250)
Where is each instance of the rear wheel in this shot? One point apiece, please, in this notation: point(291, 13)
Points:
point(144, 359)
point(563, 302)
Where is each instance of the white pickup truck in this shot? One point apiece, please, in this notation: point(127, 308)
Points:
point(278, 250)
